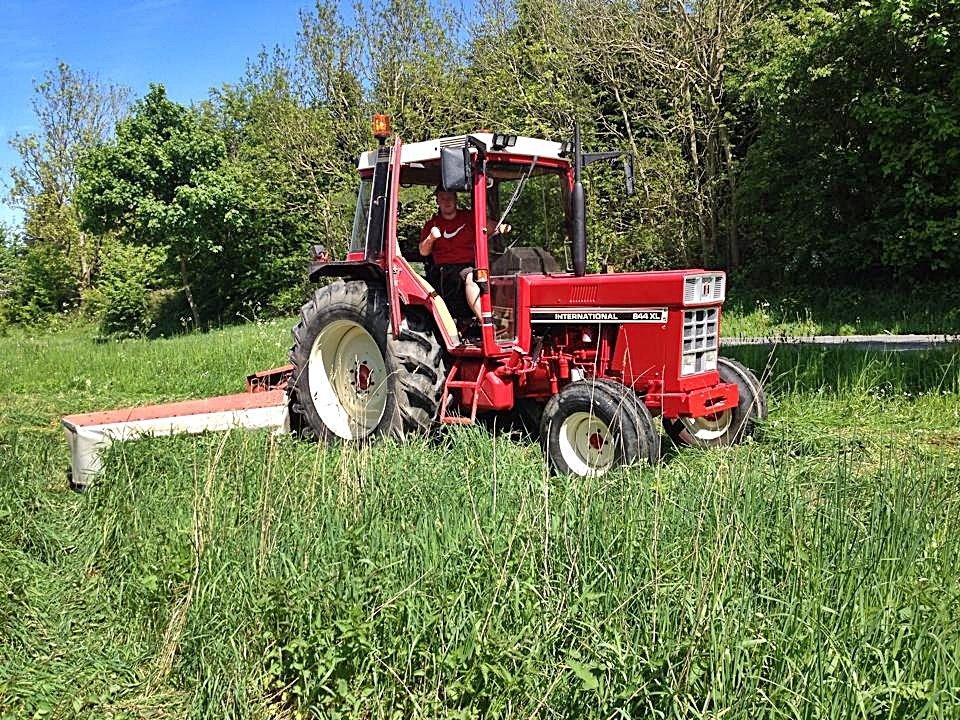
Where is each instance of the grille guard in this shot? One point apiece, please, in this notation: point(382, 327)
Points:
point(696, 403)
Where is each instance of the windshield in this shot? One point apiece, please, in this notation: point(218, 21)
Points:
point(538, 214)
point(359, 237)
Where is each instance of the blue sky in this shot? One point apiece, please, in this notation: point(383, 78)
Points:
point(187, 45)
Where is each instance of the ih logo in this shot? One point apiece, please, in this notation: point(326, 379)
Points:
point(706, 290)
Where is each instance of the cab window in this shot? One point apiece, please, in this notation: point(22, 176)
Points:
point(538, 216)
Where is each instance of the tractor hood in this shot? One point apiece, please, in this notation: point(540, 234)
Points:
point(622, 292)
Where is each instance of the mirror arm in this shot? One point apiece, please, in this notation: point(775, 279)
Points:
point(481, 148)
point(590, 158)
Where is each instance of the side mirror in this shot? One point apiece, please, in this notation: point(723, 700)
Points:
point(455, 173)
point(628, 174)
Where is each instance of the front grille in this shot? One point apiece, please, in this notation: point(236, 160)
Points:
point(700, 335)
point(698, 289)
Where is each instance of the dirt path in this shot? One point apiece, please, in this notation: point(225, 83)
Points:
point(861, 342)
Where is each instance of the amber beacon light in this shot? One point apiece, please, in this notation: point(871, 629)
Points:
point(381, 127)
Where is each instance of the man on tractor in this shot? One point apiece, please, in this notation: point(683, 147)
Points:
point(590, 358)
point(448, 239)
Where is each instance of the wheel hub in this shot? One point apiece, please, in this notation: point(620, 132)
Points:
point(347, 375)
point(586, 443)
point(362, 377)
point(709, 427)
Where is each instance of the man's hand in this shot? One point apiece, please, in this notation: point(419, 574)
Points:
point(493, 229)
point(426, 245)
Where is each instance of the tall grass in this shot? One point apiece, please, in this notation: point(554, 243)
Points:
point(813, 573)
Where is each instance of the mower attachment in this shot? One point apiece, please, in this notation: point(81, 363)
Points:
point(264, 405)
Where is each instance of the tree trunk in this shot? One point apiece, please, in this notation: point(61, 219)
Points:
point(700, 207)
point(733, 237)
point(188, 292)
point(86, 267)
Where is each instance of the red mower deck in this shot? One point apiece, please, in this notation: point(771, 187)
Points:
point(262, 406)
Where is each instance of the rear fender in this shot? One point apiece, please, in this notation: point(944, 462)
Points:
point(413, 289)
point(356, 270)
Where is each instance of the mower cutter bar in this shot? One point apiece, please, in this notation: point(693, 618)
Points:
point(263, 406)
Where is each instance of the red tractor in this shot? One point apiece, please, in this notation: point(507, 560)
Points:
point(590, 358)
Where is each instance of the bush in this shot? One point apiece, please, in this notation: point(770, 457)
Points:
point(121, 299)
point(853, 171)
point(9, 263)
point(36, 280)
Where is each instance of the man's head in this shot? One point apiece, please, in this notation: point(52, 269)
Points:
point(446, 203)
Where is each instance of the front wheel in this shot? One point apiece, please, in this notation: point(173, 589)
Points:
point(592, 426)
point(731, 426)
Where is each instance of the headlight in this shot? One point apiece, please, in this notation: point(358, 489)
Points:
point(710, 360)
point(700, 340)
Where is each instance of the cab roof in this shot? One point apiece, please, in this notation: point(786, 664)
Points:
point(429, 150)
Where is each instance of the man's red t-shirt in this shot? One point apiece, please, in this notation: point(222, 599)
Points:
point(456, 241)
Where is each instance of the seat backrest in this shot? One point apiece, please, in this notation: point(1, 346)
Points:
point(525, 260)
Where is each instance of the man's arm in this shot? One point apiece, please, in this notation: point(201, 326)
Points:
point(494, 229)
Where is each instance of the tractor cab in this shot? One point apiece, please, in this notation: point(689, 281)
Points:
point(517, 192)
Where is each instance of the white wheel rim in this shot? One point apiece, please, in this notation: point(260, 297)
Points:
point(705, 429)
point(586, 444)
point(348, 380)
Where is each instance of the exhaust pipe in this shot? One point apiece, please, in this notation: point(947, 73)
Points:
point(578, 209)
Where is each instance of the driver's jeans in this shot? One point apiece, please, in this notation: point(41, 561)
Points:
point(449, 281)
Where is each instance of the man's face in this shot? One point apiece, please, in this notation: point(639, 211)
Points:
point(447, 204)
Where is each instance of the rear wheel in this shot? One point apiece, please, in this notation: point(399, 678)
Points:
point(730, 426)
point(592, 426)
point(352, 379)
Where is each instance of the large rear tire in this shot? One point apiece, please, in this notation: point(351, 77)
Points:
point(729, 427)
point(352, 380)
point(591, 427)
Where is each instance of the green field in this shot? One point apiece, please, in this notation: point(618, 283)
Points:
point(814, 573)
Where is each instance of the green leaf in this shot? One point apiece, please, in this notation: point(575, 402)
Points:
point(584, 672)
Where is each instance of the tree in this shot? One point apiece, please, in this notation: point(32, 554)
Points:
point(855, 164)
point(302, 117)
point(74, 112)
point(412, 65)
point(662, 68)
point(8, 270)
point(208, 186)
point(147, 184)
